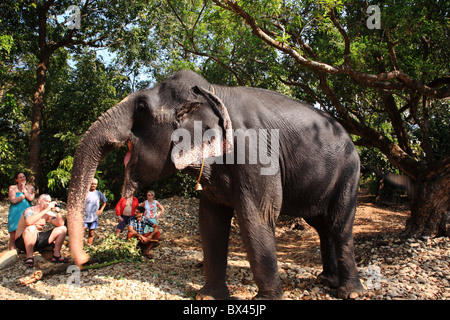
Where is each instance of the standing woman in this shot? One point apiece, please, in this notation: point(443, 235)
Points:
point(151, 209)
point(20, 196)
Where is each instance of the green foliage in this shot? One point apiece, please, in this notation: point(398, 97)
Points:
point(178, 184)
point(14, 130)
point(414, 38)
point(74, 97)
point(112, 248)
point(88, 89)
point(6, 43)
point(163, 37)
point(205, 38)
point(60, 177)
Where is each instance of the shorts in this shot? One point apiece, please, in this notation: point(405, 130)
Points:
point(41, 241)
point(91, 225)
point(122, 224)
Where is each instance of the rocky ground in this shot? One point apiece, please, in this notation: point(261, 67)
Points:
point(390, 267)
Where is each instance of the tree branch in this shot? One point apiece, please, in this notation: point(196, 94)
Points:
point(397, 122)
point(370, 79)
point(344, 35)
point(371, 137)
point(195, 50)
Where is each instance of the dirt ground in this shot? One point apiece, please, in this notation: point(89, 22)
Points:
point(372, 221)
point(296, 240)
point(397, 266)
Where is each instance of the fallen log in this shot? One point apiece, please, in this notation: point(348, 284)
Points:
point(55, 268)
point(8, 258)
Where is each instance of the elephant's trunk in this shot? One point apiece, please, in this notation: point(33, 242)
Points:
point(110, 131)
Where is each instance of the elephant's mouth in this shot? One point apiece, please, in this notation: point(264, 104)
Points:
point(128, 155)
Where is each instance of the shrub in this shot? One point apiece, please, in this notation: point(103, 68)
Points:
point(112, 248)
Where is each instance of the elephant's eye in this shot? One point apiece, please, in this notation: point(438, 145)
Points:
point(142, 104)
point(141, 115)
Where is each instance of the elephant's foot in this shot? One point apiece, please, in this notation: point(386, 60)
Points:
point(330, 280)
point(211, 293)
point(351, 289)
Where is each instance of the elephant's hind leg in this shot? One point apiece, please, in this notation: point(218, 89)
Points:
point(335, 229)
point(340, 220)
point(329, 275)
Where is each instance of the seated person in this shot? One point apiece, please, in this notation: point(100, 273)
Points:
point(29, 234)
point(136, 229)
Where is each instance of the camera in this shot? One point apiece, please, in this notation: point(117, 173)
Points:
point(55, 205)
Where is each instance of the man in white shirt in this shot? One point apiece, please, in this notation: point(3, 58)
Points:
point(93, 209)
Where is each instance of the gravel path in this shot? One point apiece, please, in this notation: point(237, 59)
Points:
point(390, 268)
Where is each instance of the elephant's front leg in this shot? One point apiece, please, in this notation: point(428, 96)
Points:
point(215, 222)
point(259, 240)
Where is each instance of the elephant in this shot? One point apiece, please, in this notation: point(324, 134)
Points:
point(306, 167)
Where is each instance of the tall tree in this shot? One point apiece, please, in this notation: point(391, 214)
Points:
point(43, 27)
point(382, 71)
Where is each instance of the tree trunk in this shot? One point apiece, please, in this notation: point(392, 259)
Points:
point(431, 203)
point(38, 106)
point(38, 98)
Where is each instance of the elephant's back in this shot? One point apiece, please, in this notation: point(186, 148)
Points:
point(316, 153)
point(254, 108)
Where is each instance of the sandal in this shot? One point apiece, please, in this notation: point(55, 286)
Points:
point(60, 259)
point(29, 262)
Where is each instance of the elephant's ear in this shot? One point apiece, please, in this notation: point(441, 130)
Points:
point(204, 129)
